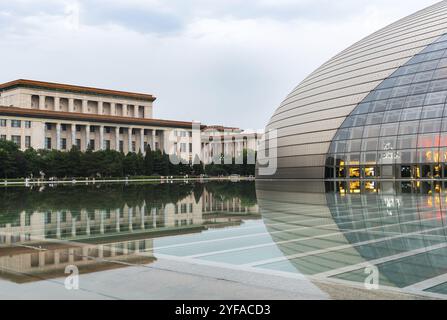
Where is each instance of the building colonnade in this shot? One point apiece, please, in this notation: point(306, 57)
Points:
point(64, 136)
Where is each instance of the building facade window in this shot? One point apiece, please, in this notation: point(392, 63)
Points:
point(17, 140)
point(16, 123)
point(78, 143)
point(63, 127)
point(121, 146)
point(27, 141)
point(63, 144)
point(28, 124)
point(47, 218)
point(107, 144)
point(78, 128)
point(3, 137)
point(3, 123)
point(48, 126)
point(48, 143)
point(134, 146)
point(91, 144)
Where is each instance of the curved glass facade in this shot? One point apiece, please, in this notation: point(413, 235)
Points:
point(400, 129)
point(391, 86)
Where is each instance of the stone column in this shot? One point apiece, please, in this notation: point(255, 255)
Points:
point(44, 135)
point(117, 139)
point(57, 104)
point(135, 112)
point(143, 215)
point(113, 109)
point(101, 137)
point(87, 227)
point(58, 136)
point(58, 224)
point(117, 215)
point(73, 135)
point(73, 227)
point(84, 106)
point(154, 134)
point(142, 141)
point(42, 102)
point(87, 136)
point(101, 222)
point(129, 135)
point(130, 215)
point(70, 105)
point(100, 107)
point(154, 218)
point(148, 112)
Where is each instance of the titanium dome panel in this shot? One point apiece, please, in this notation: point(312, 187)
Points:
point(400, 129)
point(309, 117)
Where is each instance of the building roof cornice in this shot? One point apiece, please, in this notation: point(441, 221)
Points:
point(74, 89)
point(72, 116)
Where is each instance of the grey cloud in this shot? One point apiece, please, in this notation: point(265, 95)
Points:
point(221, 69)
point(141, 19)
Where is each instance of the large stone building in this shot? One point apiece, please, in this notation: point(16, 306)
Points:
point(375, 110)
point(219, 140)
point(55, 116)
point(46, 115)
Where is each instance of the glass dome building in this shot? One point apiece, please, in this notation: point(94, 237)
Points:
point(376, 110)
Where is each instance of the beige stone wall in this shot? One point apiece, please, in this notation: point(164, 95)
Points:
point(84, 131)
point(74, 102)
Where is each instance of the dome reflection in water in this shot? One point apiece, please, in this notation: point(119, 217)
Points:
point(334, 230)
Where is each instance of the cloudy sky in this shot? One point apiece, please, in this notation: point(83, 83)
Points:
point(225, 62)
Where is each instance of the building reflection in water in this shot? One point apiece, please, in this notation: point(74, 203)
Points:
point(100, 227)
point(332, 231)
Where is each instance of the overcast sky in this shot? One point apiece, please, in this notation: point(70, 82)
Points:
point(227, 62)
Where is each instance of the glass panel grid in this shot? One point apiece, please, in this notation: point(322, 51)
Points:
point(402, 122)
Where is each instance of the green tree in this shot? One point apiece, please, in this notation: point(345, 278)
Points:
point(161, 163)
point(130, 164)
point(148, 161)
point(197, 167)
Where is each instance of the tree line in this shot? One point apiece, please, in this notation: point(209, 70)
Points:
point(14, 200)
point(15, 163)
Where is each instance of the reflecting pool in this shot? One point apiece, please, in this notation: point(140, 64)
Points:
point(344, 230)
point(348, 233)
point(97, 227)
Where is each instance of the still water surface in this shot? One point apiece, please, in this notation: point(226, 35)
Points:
point(325, 231)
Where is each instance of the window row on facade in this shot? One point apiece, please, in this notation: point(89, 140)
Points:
point(413, 164)
point(15, 123)
point(43, 102)
point(401, 171)
point(17, 139)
